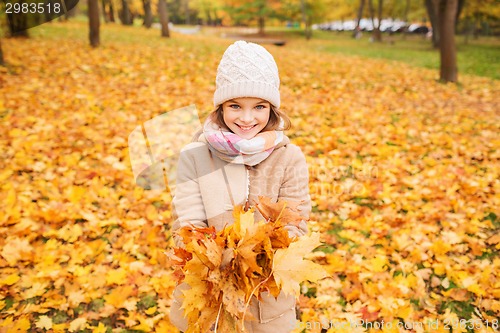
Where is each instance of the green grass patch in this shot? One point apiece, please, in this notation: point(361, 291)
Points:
point(476, 57)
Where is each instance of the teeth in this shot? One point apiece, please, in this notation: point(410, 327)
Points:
point(246, 128)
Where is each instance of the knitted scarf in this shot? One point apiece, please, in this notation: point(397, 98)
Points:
point(234, 149)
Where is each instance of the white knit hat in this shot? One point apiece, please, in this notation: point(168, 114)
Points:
point(247, 70)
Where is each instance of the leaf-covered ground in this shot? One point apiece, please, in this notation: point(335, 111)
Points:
point(404, 174)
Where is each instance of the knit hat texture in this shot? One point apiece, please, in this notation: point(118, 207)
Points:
point(247, 70)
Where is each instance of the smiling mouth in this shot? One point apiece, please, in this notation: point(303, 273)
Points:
point(246, 128)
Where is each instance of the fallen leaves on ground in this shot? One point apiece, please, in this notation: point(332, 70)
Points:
point(403, 177)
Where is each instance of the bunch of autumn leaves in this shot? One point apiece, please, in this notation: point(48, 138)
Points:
point(226, 269)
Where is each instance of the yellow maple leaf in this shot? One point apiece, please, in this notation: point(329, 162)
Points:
point(150, 311)
point(44, 322)
point(9, 209)
point(10, 280)
point(7, 322)
point(145, 325)
point(75, 193)
point(15, 249)
point(101, 328)
point(75, 297)
point(152, 213)
point(440, 248)
point(165, 327)
point(77, 324)
point(378, 264)
point(118, 296)
point(117, 276)
point(21, 325)
point(70, 233)
point(37, 289)
point(244, 251)
point(290, 268)
point(476, 289)
point(242, 221)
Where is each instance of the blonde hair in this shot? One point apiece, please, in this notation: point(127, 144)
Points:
point(273, 123)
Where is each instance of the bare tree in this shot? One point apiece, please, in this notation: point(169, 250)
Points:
point(306, 19)
point(360, 16)
point(105, 15)
point(262, 16)
point(432, 12)
point(405, 17)
point(111, 11)
point(18, 25)
point(186, 11)
point(447, 14)
point(94, 23)
point(125, 14)
point(377, 34)
point(148, 14)
point(163, 13)
point(2, 62)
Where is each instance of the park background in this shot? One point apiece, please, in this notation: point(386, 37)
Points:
point(403, 165)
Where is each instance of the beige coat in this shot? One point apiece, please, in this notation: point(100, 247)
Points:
point(203, 198)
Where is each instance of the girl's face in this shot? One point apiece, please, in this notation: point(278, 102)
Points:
point(246, 116)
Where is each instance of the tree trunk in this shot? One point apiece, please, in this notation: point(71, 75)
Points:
point(148, 14)
point(2, 62)
point(125, 15)
point(476, 29)
point(461, 4)
point(71, 12)
point(186, 11)
point(209, 17)
point(94, 22)
point(262, 25)
point(469, 29)
point(163, 13)
point(261, 12)
point(308, 27)
point(360, 16)
point(306, 20)
point(377, 35)
point(405, 18)
point(217, 20)
point(447, 16)
point(431, 6)
point(18, 25)
point(104, 11)
point(372, 13)
point(111, 12)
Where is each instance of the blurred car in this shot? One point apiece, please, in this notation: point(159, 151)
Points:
point(418, 28)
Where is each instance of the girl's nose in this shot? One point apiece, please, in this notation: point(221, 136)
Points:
point(247, 116)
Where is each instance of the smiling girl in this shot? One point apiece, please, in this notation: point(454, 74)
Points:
point(242, 154)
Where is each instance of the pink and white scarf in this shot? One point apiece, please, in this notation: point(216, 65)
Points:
point(232, 148)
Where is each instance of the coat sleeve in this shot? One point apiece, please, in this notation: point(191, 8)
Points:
point(295, 187)
point(187, 204)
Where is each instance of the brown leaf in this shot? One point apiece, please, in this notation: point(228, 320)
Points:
point(287, 212)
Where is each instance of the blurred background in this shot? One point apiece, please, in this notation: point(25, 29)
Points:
point(392, 29)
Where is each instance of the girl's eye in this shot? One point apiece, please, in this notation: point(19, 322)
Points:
point(234, 106)
point(260, 107)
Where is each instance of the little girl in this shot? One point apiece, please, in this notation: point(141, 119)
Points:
point(242, 154)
